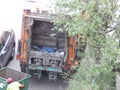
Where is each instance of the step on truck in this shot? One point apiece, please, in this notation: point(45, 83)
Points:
point(41, 48)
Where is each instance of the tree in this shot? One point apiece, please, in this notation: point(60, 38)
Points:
point(98, 23)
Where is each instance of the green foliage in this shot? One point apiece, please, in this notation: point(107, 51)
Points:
point(98, 23)
point(91, 77)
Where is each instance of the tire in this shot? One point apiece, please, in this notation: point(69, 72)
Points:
point(23, 68)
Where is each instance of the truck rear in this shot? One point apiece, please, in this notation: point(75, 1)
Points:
point(43, 49)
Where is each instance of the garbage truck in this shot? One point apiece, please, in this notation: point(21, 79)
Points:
point(41, 48)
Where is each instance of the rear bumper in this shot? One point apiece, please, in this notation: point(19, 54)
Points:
point(43, 68)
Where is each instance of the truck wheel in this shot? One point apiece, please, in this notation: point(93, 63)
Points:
point(23, 68)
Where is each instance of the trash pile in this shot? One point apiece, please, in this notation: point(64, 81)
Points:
point(49, 51)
